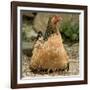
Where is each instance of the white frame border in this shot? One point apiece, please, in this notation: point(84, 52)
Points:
point(81, 53)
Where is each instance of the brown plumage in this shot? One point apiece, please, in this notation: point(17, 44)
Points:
point(52, 26)
point(50, 53)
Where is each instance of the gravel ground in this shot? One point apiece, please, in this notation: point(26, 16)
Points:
point(73, 52)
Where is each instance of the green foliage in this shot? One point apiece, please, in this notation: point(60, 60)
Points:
point(70, 31)
point(23, 36)
point(26, 32)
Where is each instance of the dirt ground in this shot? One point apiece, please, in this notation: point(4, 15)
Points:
point(73, 52)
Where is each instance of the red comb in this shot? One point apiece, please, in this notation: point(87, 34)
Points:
point(58, 17)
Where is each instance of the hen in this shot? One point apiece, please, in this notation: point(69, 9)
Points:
point(49, 53)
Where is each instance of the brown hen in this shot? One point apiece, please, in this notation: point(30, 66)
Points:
point(49, 52)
